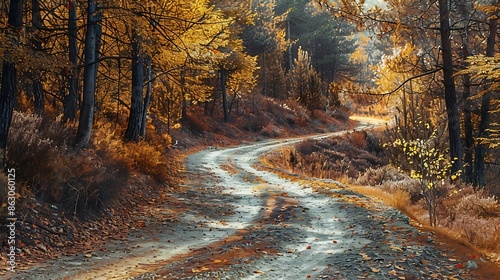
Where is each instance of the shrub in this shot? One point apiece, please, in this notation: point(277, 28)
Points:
point(270, 131)
point(51, 171)
point(143, 156)
point(321, 116)
point(196, 122)
point(30, 150)
point(88, 183)
point(256, 123)
point(428, 164)
point(474, 215)
point(375, 176)
point(373, 144)
point(306, 147)
point(357, 139)
point(341, 113)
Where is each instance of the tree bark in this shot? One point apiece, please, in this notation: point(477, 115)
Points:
point(469, 140)
point(464, 7)
point(450, 94)
point(36, 42)
point(484, 125)
point(9, 80)
point(92, 39)
point(223, 81)
point(184, 100)
point(147, 98)
point(264, 73)
point(71, 100)
point(136, 106)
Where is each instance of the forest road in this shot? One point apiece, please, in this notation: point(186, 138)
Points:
point(241, 220)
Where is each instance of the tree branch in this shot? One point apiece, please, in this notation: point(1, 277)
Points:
point(405, 81)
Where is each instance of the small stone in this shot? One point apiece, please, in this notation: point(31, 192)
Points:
point(471, 265)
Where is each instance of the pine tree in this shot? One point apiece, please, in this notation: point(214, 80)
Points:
point(305, 84)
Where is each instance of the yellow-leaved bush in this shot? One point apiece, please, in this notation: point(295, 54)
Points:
point(427, 163)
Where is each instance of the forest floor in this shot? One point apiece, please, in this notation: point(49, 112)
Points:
point(233, 217)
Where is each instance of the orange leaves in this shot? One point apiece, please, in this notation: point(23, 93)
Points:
point(198, 270)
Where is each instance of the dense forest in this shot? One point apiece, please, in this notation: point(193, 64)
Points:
point(94, 90)
point(131, 71)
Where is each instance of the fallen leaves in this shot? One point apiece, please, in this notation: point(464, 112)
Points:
point(365, 256)
point(41, 247)
point(396, 248)
point(375, 270)
point(399, 267)
point(259, 272)
point(198, 270)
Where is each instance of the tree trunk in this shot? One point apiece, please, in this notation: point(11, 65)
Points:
point(92, 38)
point(184, 100)
point(484, 125)
point(464, 7)
point(9, 79)
point(38, 94)
point(136, 106)
point(36, 42)
point(450, 94)
point(264, 73)
point(70, 100)
point(469, 140)
point(223, 89)
point(147, 98)
point(289, 48)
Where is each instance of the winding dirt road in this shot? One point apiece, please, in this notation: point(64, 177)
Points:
point(241, 221)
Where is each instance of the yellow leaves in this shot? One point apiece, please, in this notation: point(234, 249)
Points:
point(359, 56)
point(425, 160)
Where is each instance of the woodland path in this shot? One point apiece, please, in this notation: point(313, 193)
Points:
point(241, 220)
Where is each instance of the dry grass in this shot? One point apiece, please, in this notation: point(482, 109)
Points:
point(401, 200)
point(80, 180)
point(3, 194)
point(474, 215)
point(332, 158)
point(47, 168)
point(145, 156)
point(469, 216)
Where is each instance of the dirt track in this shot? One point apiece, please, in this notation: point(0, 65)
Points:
point(240, 221)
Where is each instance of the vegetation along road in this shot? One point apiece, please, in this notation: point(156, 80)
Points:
point(243, 220)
